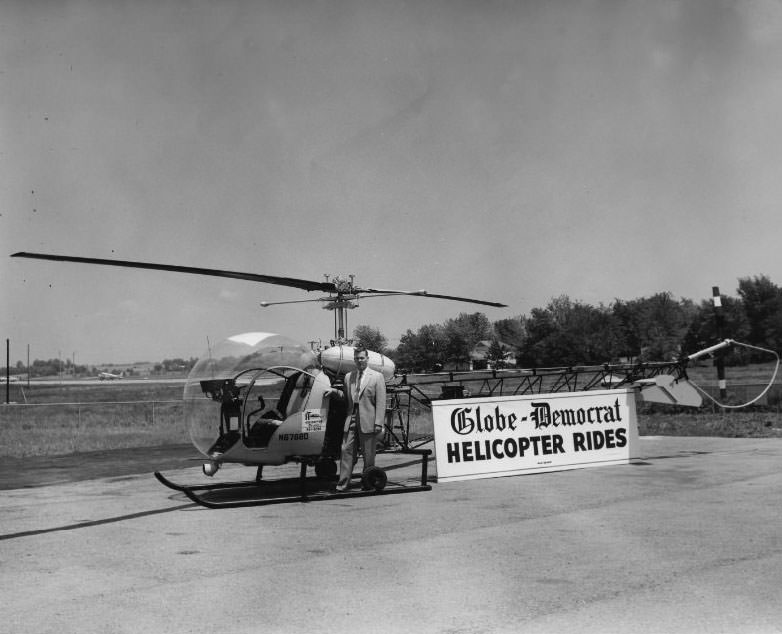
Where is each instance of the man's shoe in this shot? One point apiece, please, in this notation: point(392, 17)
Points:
point(341, 488)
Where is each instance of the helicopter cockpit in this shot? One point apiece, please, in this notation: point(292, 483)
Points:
point(271, 397)
point(250, 385)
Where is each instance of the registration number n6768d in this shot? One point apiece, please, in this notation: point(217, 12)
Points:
point(289, 437)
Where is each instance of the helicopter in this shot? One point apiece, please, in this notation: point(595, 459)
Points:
point(259, 399)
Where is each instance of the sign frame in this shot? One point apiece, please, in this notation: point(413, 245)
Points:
point(498, 436)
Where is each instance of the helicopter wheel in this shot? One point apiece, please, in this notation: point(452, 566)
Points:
point(326, 469)
point(374, 478)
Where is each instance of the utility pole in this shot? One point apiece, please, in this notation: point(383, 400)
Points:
point(719, 359)
point(7, 371)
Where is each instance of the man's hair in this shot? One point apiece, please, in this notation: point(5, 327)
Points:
point(360, 348)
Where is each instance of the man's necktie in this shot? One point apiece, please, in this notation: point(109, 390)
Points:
point(358, 383)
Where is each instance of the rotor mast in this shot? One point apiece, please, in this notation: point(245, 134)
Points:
point(344, 299)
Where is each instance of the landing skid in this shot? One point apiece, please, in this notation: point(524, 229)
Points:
point(239, 494)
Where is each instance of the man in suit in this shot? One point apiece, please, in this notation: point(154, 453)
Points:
point(365, 391)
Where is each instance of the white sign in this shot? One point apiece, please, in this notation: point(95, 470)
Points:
point(312, 421)
point(511, 435)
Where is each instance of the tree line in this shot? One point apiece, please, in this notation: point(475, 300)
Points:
point(564, 332)
point(65, 367)
point(571, 332)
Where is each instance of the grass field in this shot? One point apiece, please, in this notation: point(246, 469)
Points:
point(60, 419)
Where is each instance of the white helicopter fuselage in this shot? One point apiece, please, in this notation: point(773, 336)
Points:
point(258, 413)
point(264, 440)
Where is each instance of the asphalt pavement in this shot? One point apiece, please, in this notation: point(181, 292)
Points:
point(685, 539)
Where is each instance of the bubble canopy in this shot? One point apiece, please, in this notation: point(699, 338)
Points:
point(237, 361)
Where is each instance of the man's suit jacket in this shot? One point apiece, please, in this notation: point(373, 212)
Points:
point(371, 400)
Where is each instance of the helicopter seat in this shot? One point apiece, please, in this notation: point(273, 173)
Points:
point(261, 431)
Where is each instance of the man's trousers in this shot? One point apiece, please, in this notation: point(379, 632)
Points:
point(349, 449)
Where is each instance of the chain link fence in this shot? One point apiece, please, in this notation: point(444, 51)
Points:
point(60, 428)
point(740, 393)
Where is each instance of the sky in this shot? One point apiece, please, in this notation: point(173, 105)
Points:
point(506, 151)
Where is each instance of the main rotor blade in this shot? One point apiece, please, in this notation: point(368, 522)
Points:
point(306, 285)
point(296, 301)
point(383, 293)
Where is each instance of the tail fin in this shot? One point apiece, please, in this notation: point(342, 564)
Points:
point(667, 389)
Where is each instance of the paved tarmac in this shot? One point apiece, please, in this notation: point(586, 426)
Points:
point(36, 471)
point(685, 540)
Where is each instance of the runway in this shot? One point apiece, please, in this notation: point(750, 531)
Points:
point(97, 381)
point(686, 539)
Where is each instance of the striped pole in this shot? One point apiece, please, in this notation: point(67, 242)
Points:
point(719, 360)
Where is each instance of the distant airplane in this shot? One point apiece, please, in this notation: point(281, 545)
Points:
point(108, 376)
